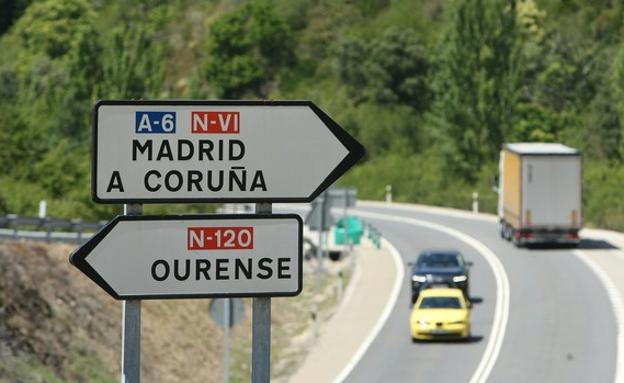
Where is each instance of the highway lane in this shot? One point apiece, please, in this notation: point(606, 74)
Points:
point(561, 326)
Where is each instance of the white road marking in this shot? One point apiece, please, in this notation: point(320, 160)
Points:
point(355, 279)
point(618, 310)
point(501, 310)
point(437, 210)
point(396, 289)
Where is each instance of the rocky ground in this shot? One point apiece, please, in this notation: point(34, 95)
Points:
point(58, 326)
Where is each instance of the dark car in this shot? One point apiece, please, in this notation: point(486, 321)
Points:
point(439, 267)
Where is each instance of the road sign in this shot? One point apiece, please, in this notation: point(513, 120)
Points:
point(216, 151)
point(319, 217)
point(194, 256)
point(343, 197)
point(236, 311)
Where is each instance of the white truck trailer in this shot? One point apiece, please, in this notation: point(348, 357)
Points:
point(539, 198)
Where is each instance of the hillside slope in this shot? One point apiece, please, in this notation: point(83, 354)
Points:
point(56, 325)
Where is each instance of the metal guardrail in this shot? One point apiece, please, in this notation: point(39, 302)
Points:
point(373, 234)
point(48, 228)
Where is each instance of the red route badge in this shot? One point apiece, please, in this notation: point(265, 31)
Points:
point(215, 122)
point(220, 238)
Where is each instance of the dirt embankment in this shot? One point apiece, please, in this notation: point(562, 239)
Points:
point(57, 326)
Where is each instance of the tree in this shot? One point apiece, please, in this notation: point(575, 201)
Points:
point(132, 63)
point(51, 26)
point(391, 69)
point(247, 48)
point(476, 84)
point(47, 91)
point(11, 11)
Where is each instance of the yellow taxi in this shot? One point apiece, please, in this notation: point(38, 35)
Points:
point(440, 313)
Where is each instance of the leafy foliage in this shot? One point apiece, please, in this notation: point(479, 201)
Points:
point(11, 11)
point(388, 70)
point(432, 88)
point(247, 47)
point(477, 84)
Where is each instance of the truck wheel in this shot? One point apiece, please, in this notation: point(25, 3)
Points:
point(508, 233)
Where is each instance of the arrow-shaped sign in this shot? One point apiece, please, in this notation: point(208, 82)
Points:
point(194, 256)
point(216, 151)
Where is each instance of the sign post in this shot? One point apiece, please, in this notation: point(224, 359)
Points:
point(207, 152)
point(226, 341)
point(227, 312)
point(261, 328)
point(131, 327)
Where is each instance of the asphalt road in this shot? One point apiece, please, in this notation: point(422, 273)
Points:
point(560, 328)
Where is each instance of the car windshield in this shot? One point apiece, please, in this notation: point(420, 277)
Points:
point(440, 303)
point(444, 260)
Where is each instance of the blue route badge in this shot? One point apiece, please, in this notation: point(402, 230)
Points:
point(155, 122)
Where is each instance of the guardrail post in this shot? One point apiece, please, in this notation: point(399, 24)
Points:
point(48, 228)
point(77, 226)
point(12, 218)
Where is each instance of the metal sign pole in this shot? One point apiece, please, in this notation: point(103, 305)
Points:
point(324, 202)
point(227, 319)
point(346, 221)
point(319, 249)
point(261, 328)
point(131, 327)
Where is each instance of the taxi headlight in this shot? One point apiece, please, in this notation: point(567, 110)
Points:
point(419, 278)
point(460, 278)
point(457, 322)
point(422, 322)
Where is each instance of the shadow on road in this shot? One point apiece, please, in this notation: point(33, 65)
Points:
point(474, 339)
point(470, 340)
point(476, 300)
point(596, 244)
point(586, 244)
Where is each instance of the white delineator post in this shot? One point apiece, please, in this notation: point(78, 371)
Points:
point(475, 202)
point(131, 327)
point(389, 193)
point(261, 328)
point(42, 209)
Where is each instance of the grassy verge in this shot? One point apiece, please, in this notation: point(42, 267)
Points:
point(294, 329)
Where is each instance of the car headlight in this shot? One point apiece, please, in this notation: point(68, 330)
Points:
point(422, 322)
point(457, 322)
point(419, 278)
point(460, 278)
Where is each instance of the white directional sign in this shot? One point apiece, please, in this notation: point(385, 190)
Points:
point(156, 257)
point(216, 151)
